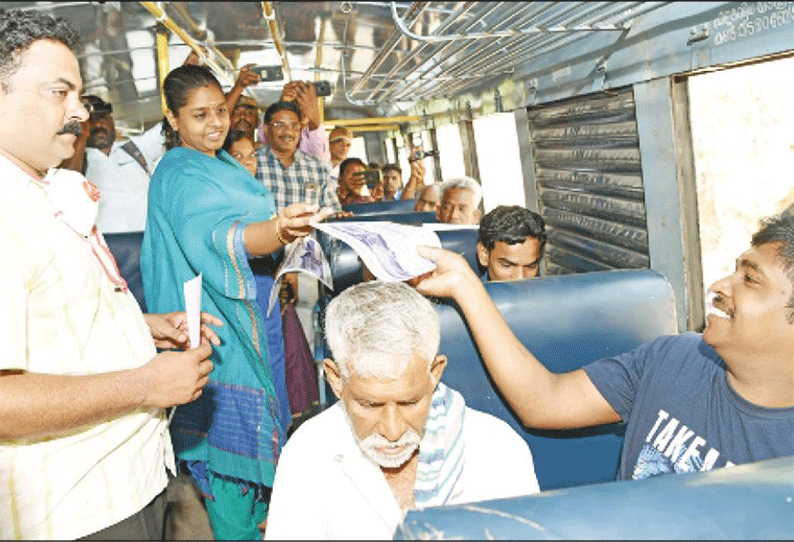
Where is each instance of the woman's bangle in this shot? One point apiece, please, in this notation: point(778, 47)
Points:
point(278, 234)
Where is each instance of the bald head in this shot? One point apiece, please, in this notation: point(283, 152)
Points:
point(428, 198)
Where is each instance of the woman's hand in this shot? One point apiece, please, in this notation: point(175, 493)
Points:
point(295, 221)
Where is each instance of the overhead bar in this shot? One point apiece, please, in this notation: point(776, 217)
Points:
point(270, 16)
point(155, 9)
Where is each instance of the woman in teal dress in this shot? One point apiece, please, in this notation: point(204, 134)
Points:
point(208, 215)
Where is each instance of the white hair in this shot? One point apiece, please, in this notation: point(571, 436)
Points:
point(376, 328)
point(466, 183)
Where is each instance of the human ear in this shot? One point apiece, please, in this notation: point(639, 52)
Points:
point(334, 376)
point(482, 254)
point(437, 368)
point(172, 120)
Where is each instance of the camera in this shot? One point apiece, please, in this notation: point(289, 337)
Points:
point(96, 106)
point(420, 154)
point(269, 73)
point(372, 178)
point(323, 88)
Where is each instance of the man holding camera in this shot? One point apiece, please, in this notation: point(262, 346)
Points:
point(120, 169)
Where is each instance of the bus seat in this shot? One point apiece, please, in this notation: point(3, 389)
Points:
point(381, 207)
point(414, 218)
point(346, 266)
point(566, 321)
point(746, 502)
point(126, 249)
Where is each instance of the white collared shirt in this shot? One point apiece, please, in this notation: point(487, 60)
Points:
point(123, 183)
point(326, 488)
point(61, 314)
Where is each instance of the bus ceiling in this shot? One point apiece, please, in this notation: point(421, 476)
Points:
point(420, 62)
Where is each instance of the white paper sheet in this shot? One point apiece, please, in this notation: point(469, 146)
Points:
point(192, 291)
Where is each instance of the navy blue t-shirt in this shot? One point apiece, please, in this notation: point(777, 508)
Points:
point(681, 413)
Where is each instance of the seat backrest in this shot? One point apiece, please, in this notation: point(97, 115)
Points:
point(126, 249)
point(566, 322)
point(746, 502)
point(381, 207)
point(346, 267)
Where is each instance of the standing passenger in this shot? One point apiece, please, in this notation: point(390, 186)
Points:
point(120, 169)
point(208, 215)
point(84, 445)
point(460, 202)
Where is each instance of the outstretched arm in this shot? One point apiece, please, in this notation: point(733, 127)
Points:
point(541, 399)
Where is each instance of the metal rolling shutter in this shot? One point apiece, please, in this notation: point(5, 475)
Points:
point(587, 168)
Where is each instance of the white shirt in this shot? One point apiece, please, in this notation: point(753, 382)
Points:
point(326, 488)
point(123, 183)
point(61, 314)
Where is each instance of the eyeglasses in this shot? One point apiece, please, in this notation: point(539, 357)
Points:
point(293, 126)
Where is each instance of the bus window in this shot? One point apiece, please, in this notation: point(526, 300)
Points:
point(430, 162)
point(358, 149)
point(450, 151)
point(741, 120)
point(388, 147)
point(498, 156)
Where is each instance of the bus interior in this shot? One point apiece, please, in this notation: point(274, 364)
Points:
point(650, 136)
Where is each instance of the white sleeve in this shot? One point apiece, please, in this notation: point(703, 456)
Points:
point(292, 514)
point(498, 461)
point(151, 144)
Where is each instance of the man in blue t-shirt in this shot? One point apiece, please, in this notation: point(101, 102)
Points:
point(690, 402)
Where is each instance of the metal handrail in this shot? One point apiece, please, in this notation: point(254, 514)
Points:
point(504, 33)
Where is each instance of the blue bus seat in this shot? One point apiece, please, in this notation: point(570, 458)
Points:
point(414, 218)
point(381, 207)
point(346, 269)
point(126, 249)
point(565, 321)
point(746, 502)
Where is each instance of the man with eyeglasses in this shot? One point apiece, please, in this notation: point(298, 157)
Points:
point(289, 173)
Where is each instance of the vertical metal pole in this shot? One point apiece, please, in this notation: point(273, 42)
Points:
point(162, 60)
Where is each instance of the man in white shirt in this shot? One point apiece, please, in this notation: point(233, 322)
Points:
point(120, 169)
point(460, 201)
point(398, 438)
point(84, 443)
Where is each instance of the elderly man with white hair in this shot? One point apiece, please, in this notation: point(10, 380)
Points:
point(460, 201)
point(398, 438)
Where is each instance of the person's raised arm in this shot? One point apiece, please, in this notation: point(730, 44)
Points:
point(34, 405)
point(244, 79)
point(416, 182)
point(541, 399)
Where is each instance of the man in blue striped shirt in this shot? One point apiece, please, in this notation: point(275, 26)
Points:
point(289, 173)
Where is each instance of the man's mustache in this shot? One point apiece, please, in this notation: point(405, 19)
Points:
point(98, 130)
point(71, 128)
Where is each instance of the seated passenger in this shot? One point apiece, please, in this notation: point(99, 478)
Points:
point(690, 402)
point(460, 201)
point(510, 243)
point(392, 182)
point(428, 198)
point(352, 184)
point(397, 438)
